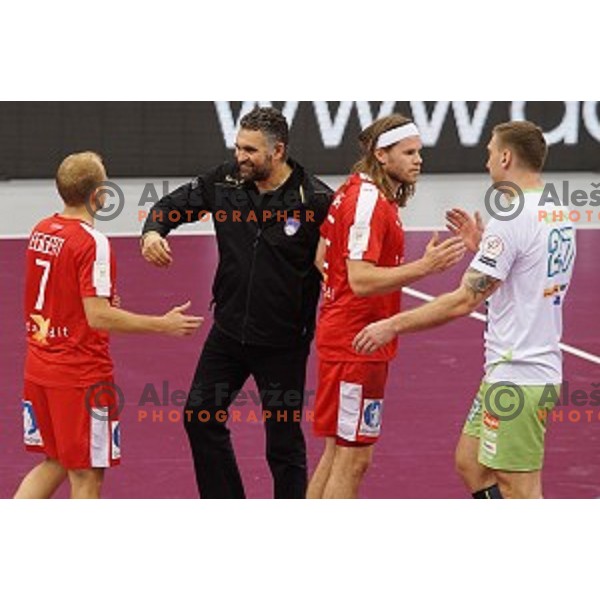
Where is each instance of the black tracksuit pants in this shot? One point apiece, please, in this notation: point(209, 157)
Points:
point(224, 368)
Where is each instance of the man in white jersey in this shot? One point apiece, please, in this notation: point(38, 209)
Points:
point(522, 268)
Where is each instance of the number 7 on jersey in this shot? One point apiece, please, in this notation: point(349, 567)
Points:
point(45, 264)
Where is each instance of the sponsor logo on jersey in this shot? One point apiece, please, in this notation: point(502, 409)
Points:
point(42, 330)
point(492, 247)
point(101, 274)
point(490, 262)
point(491, 422)
point(490, 447)
point(555, 290)
point(475, 409)
point(359, 238)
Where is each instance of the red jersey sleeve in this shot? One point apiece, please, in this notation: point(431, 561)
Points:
point(365, 226)
point(96, 267)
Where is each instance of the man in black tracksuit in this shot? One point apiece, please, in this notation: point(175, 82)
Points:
point(267, 212)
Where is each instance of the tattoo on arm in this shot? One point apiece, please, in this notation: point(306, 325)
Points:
point(480, 284)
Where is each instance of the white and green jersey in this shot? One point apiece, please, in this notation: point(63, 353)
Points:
point(534, 259)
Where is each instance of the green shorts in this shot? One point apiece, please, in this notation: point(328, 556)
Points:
point(510, 423)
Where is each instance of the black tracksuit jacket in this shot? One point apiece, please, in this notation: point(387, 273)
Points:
point(266, 288)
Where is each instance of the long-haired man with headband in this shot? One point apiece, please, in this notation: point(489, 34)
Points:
point(361, 256)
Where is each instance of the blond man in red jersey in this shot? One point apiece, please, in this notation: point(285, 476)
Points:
point(69, 405)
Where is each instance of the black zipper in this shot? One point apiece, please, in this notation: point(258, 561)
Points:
point(250, 282)
point(253, 263)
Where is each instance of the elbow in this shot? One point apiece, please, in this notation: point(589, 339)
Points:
point(94, 321)
point(98, 313)
point(97, 320)
point(360, 289)
point(320, 268)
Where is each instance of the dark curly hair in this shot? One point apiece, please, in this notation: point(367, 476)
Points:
point(270, 122)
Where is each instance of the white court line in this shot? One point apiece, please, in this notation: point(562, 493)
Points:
point(209, 232)
point(481, 317)
point(408, 291)
point(126, 234)
point(184, 233)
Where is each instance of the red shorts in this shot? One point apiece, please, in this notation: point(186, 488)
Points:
point(349, 401)
point(78, 427)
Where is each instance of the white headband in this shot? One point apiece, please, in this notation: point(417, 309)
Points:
point(389, 138)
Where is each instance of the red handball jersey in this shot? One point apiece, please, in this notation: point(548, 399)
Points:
point(362, 225)
point(67, 261)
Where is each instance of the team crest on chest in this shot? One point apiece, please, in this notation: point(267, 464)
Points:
point(292, 226)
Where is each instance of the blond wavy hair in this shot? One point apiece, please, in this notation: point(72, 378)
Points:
point(369, 165)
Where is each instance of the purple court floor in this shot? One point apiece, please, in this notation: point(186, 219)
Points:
point(431, 388)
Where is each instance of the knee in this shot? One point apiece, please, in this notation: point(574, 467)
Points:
point(199, 419)
point(360, 463)
point(508, 489)
point(88, 478)
point(363, 464)
point(474, 475)
point(206, 430)
point(291, 451)
point(519, 486)
point(191, 423)
point(463, 463)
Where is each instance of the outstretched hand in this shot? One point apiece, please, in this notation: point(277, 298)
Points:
point(470, 229)
point(440, 256)
point(178, 324)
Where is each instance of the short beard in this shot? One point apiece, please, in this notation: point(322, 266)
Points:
point(404, 190)
point(257, 174)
